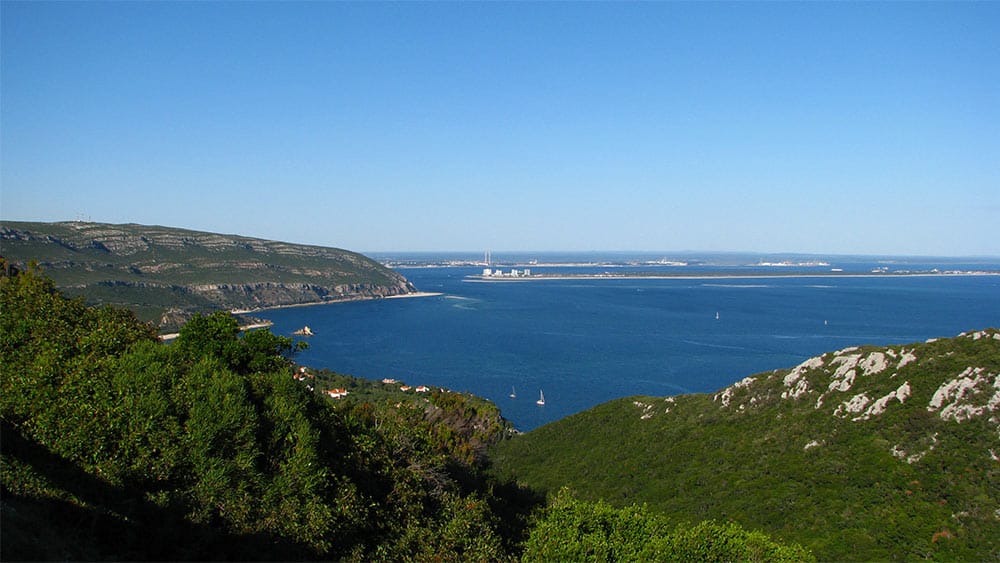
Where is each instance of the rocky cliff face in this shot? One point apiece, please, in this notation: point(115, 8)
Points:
point(168, 274)
point(250, 296)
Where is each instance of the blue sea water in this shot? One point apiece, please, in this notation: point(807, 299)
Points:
point(586, 341)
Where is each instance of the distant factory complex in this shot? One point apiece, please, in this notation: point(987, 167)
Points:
point(513, 273)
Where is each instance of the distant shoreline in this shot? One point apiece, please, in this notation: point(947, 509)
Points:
point(173, 335)
point(721, 275)
point(333, 302)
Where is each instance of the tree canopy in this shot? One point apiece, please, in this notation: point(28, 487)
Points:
point(117, 446)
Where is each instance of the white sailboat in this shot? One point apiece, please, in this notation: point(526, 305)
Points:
point(513, 394)
point(541, 398)
point(716, 315)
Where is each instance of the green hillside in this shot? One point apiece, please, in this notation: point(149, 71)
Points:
point(119, 447)
point(861, 454)
point(116, 446)
point(166, 274)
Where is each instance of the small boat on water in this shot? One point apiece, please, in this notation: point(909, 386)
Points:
point(304, 331)
point(513, 394)
point(541, 399)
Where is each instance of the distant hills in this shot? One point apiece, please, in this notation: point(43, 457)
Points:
point(166, 274)
point(860, 454)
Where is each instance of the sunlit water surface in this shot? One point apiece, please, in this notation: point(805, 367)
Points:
point(584, 341)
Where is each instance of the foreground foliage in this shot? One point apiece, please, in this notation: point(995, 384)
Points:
point(575, 530)
point(208, 449)
point(118, 447)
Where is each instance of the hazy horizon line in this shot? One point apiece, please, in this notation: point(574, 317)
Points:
point(666, 253)
point(688, 252)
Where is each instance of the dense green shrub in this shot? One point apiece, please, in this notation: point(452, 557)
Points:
point(207, 448)
point(574, 530)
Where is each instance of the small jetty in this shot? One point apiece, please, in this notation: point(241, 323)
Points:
point(304, 331)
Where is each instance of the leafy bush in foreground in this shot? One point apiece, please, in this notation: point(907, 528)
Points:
point(118, 447)
point(575, 530)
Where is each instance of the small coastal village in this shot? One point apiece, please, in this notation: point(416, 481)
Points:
point(304, 375)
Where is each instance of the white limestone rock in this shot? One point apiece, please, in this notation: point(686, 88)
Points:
point(901, 394)
point(647, 409)
point(800, 389)
point(907, 357)
point(799, 370)
point(971, 394)
point(854, 405)
point(874, 363)
point(727, 394)
point(843, 377)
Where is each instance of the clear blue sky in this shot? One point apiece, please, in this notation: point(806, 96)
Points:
point(787, 127)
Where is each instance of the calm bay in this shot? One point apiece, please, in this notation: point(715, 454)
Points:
point(585, 341)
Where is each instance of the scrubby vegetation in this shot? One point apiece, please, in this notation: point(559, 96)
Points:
point(573, 530)
point(207, 448)
point(863, 454)
point(118, 447)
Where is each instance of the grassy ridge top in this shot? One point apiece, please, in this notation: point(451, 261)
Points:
point(153, 269)
point(861, 454)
